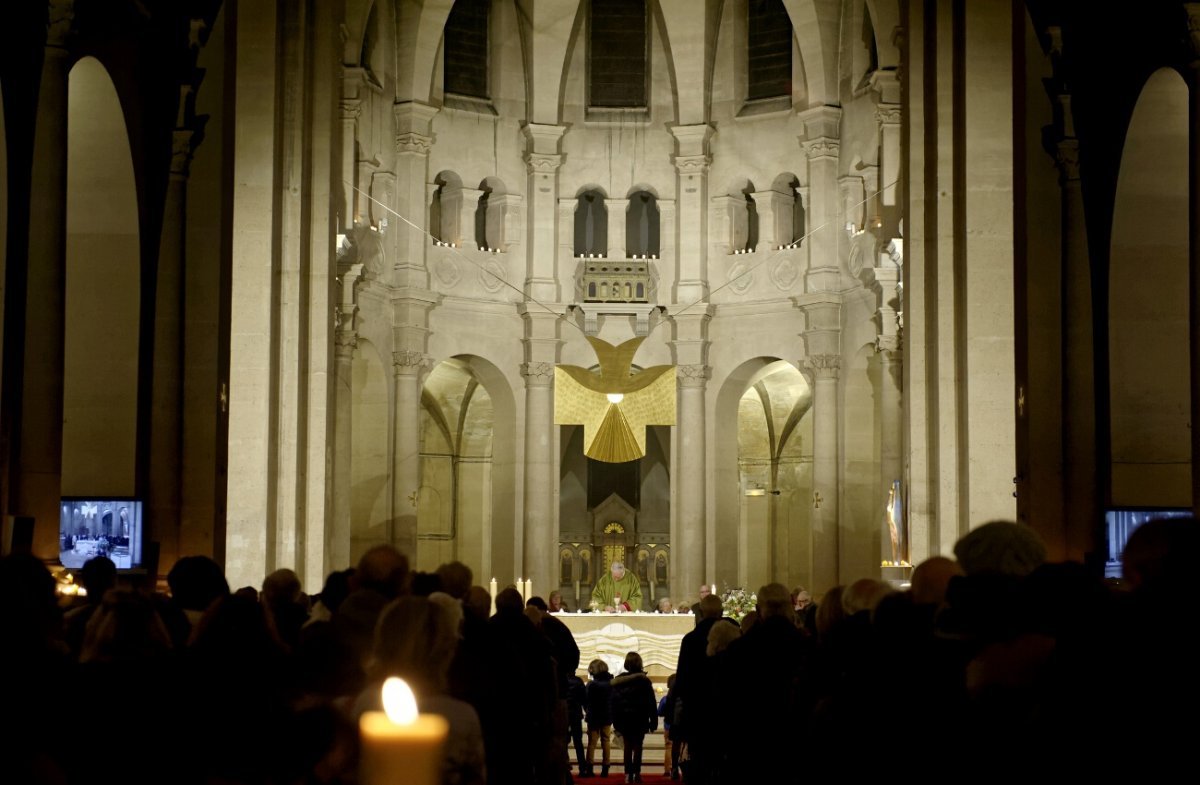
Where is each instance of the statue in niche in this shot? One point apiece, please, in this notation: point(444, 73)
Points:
point(660, 568)
point(567, 571)
point(643, 565)
point(585, 567)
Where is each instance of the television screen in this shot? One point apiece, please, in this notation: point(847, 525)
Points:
point(1121, 523)
point(95, 526)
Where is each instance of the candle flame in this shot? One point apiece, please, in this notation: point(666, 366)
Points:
point(399, 703)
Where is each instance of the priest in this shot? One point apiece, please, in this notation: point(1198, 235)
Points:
point(618, 590)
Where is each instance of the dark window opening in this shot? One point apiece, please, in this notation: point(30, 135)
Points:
point(617, 54)
point(641, 225)
point(769, 50)
point(465, 47)
point(591, 224)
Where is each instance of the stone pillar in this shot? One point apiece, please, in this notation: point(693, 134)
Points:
point(691, 163)
point(618, 212)
point(353, 79)
point(345, 343)
point(768, 226)
point(822, 147)
point(1081, 501)
point(542, 161)
point(414, 139)
point(1193, 19)
point(823, 375)
point(887, 115)
point(541, 532)
point(690, 547)
point(409, 367)
point(37, 483)
point(166, 398)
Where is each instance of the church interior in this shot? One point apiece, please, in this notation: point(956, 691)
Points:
point(288, 280)
point(297, 278)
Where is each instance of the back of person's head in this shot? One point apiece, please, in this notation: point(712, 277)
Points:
point(671, 681)
point(99, 574)
point(478, 603)
point(383, 569)
point(337, 586)
point(281, 587)
point(930, 579)
point(29, 614)
point(1159, 553)
point(721, 635)
point(196, 582)
point(633, 662)
point(534, 615)
point(235, 630)
point(711, 607)
point(774, 600)
point(829, 611)
point(456, 579)
point(125, 628)
point(509, 601)
point(863, 595)
point(596, 667)
point(415, 639)
point(425, 583)
point(1000, 548)
point(539, 603)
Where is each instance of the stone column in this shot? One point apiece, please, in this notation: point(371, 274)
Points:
point(617, 215)
point(691, 163)
point(353, 79)
point(37, 483)
point(887, 115)
point(345, 343)
point(1193, 19)
point(166, 398)
point(542, 161)
point(822, 147)
point(823, 375)
point(541, 533)
point(414, 139)
point(691, 567)
point(409, 367)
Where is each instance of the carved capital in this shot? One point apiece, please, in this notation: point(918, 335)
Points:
point(692, 164)
point(410, 363)
point(538, 374)
point(823, 366)
point(692, 375)
point(1066, 156)
point(413, 142)
point(888, 347)
point(887, 114)
point(821, 147)
point(1193, 22)
point(350, 108)
point(183, 144)
point(344, 343)
point(543, 163)
point(60, 23)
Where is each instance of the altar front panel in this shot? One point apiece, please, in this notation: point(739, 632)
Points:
point(610, 636)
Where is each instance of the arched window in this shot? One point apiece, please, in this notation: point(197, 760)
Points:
point(481, 216)
point(617, 54)
point(641, 291)
point(591, 224)
point(592, 291)
point(641, 225)
point(465, 49)
point(768, 50)
point(751, 221)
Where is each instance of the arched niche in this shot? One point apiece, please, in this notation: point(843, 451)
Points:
point(466, 497)
point(1149, 387)
point(103, 258)
point(763, 448)
point(591, 223)
point(370, 468)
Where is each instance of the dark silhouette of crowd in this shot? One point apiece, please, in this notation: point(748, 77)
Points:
point(995, 663)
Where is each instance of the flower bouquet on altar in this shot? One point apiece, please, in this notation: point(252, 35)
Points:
point(738, 603)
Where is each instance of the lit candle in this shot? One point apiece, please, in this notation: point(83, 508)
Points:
point(528, 589)
point(492, 591)
point(521, 589)
point(576, 594)
point(714, 589)
point(398, 744)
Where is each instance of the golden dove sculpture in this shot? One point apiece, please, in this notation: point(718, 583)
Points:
point(615, 405)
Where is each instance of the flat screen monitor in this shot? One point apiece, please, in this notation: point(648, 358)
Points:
point(1121, 523)
point(100, 526)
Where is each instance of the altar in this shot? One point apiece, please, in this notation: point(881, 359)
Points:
point(610, 636)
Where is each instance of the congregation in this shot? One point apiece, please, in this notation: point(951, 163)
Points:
point(995, 660)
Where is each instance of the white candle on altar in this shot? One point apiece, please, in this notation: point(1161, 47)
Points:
point(714, 588)
point(576, 594)
point(652, 590)
point(398, 744)
point(492, 591)
point(528, 589)
point(521, 589)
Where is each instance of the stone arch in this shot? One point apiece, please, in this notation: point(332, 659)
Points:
point(467, 466)
point(490, 213)
point(769, 458)
point(642, 224)
point(103, 283)
point(789, 213)
point(885, 19)
point(1148, 325)
point(815, 23)
point(591, 221)
point(452, 209)
point(418, 44)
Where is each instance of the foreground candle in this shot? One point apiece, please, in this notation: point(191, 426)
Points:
point(398, 744)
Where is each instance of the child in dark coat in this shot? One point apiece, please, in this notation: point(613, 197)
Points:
point(599, 715)
point(634, 712)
